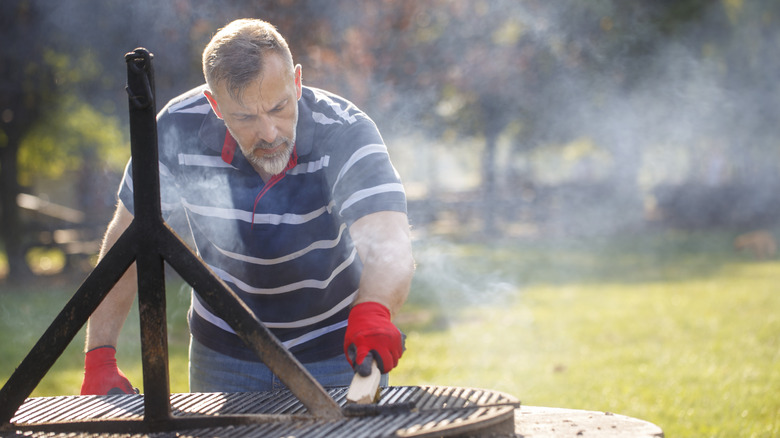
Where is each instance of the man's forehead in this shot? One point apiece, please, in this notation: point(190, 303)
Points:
point(269, 88)
point(255, 93)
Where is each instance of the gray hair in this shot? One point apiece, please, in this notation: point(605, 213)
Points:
point(236, 54)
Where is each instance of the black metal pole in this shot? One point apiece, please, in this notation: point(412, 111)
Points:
point(148, 217)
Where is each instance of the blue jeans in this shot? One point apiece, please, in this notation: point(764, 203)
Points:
point(211, 371)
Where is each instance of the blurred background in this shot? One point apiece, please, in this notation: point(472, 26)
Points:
point(523, 118)
point(542, 144)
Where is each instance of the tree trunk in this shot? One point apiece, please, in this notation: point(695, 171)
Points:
point(11, 230)
point(489, 197)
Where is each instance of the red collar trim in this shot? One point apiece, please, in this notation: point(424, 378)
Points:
point(229, 148)
point(274, 179)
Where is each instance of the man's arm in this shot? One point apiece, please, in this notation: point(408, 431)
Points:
point(101, 374)
point(106, 322)
point(384, 245)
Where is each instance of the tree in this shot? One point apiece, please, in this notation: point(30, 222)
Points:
point(57, 72)
point(26, 88)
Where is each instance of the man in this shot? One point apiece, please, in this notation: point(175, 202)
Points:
point(306, 223)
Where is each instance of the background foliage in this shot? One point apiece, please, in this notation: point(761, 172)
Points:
point(643, 107)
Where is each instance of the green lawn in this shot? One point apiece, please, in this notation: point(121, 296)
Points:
point(671, 328)
point(24, 316)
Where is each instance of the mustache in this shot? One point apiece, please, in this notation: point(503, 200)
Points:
point(265, 145)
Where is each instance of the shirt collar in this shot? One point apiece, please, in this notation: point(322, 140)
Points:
point(304, 132)
point(212, 133)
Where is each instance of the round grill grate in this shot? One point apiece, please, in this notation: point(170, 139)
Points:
point(405, 411)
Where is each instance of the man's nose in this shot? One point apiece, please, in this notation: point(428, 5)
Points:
point(267, 131)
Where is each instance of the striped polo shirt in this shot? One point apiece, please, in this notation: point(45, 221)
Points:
point(288, 253)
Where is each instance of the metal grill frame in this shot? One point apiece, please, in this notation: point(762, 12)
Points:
point(306, 408)
point(149, 242)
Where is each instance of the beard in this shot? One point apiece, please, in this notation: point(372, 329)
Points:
point(272, 164)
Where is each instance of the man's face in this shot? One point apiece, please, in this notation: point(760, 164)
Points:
point(263, 122)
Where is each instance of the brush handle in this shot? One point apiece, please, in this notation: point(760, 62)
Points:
point(365, 390)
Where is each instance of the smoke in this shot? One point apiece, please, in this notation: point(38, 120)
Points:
point(623, 110)
point(622, 122)
point(452, 277)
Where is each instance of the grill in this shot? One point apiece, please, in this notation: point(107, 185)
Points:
point(404, 411)
point(303, 409)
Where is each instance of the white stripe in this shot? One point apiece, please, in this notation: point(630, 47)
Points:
point(198, 109)
point(292, 219)
point(357, 156)
point(366, 193)
point(168, 206)
point(198, 308)
point(216, 212)
point(164, 206)
point(164, 171)
point(292, 287)
point(341, 112)
point(129, 177)
point(314, 334)
point(320, 244)
point(201, 310)
point(202, 160)
point(246, 216)
point(322, 119)
point(310, 167)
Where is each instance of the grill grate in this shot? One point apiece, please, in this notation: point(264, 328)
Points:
point(406, 411)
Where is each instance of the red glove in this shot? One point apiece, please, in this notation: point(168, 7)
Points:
point(371, 335)
point(101, 375)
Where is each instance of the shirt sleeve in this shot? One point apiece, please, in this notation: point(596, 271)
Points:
point(361, 177)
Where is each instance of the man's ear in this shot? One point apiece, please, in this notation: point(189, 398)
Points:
point(213, 102)
point(298, 81)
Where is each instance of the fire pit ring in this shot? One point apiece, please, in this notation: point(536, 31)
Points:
point(403, 411)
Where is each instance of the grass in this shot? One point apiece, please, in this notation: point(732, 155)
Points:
point(671, 328)
point(25, 316)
